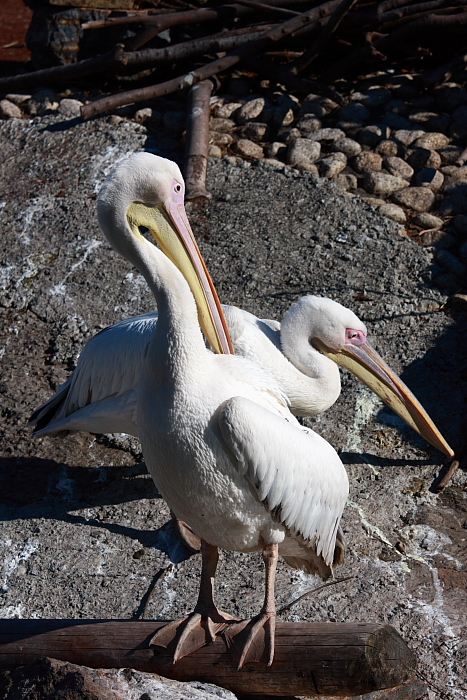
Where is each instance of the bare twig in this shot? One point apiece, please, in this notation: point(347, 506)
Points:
point(197, 140)
point(446, 478)
point(313, 590)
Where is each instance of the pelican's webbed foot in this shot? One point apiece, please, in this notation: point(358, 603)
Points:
point(252, 640)
point(199, 628)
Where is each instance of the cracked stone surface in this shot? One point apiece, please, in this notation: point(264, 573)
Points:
point(84, 530)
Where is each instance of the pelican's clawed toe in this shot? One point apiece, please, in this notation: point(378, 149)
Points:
point(183, 637)
point(252, 640)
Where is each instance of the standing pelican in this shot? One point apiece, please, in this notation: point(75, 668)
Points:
point(218, 439)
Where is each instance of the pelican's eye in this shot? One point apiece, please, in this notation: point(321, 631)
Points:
point(353, 337)
point(177, 192)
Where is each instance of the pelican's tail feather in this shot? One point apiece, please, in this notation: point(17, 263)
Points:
point(299, 554)
point(45, 414)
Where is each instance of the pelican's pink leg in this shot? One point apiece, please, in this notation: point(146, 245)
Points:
point(202, 625)
point(253, 640)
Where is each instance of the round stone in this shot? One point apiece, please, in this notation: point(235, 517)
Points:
point(416, 198)
point(392, 211)
point(327, 135)
point(221, 124)
point(332, 165)
point(449, 154)
point(226, 111)
point(275, 149)
point(427, 221)
point(381, 183)
point(346, 180)
point(431, 141)
point(429, 177)
point(253, 109)
point(347, 146)
point(255, 131)
point(420, 158)
point(70, 108)
point(8, 110)
point(249, 149)
point(17, 99)
point(214, 151)
point(372, 135)
point(397, 166)
point(408, 136)
point(354, 112)
point(221, 140)
point(387, 148)
point(367, 162)
point(308, 123)
point(312, 109)
point(302, 153)
point(282, 116)
point(395, 121)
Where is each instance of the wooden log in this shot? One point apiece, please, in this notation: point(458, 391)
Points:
point(311, 659)
point(197, 141)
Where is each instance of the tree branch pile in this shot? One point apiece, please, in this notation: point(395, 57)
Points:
point(322, 42)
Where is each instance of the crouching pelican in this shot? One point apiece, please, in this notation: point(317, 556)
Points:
point(218, 439)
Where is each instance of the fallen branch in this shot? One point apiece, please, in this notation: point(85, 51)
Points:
point(119, 61)
point(210, 69)
point(197, 141)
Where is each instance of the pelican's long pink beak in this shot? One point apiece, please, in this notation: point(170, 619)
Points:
point(360, 358)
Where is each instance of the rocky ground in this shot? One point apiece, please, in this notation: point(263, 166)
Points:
point(84, 531)
point(398, 143)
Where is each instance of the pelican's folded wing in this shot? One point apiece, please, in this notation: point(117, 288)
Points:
point(295, 472)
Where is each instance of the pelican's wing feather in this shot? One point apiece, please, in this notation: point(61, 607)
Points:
point(295, 472)
point(102, 388)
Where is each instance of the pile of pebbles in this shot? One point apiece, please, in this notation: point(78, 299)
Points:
point(396, 144)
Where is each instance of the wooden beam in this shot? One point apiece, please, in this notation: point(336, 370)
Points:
point(311, 659)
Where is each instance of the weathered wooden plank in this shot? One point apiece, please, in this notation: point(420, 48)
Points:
point(310, 659)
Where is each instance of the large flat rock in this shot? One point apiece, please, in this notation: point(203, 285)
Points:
point(84, 531)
